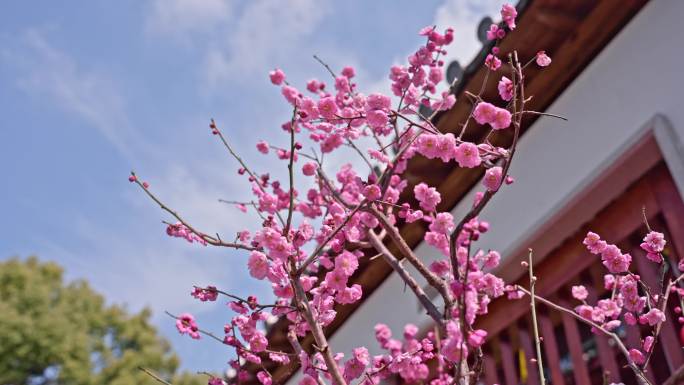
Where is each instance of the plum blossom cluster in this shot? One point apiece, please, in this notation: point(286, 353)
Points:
point(209, 293)
point(487, 113)
point(320, 224)
point(632, 302)
point(654, 244)
point(180, 230)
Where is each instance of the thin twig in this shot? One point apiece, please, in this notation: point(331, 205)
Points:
point(290, 169)
point(324, 64)
point(250, 203)
point(153, 375)
point(545, 114)
point(239, 159)
point(215, 241)
point(643, 213)
point(358, 151)
point(535, 327)
point(234, 154)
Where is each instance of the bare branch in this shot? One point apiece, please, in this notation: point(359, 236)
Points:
point(406, 251)
point(407, 278)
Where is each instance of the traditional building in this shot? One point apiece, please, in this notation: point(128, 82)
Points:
point(616, 77)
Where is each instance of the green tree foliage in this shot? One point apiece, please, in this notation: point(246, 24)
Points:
point(52, 332)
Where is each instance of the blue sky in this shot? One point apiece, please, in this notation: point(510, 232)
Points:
point(93, 89)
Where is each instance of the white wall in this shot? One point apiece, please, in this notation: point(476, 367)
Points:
point(638, 75)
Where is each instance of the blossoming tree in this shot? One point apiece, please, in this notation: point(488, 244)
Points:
point(312, 236)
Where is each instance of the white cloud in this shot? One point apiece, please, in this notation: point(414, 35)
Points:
point(180, 17)
point(44, 70)
point(266, 32)
point(237, 41)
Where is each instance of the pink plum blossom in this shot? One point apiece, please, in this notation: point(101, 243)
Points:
point(349, 294)
point(637, 356)
point(348, 72)
point(258, 265)
point(309, 168)
point(467, 155)
point(277, 76)
point(502, 119)
point(336, 279)
point(654, 243)
point(498, 118)
point(505, 88)
point(484, 112)
point(648, 343)
point(492, 259)
point(594, 243)
point(495, 32)
point(205, 294)
point(653, 317)
point(347, 263)
point(313, 85)
point(443, 223)
point(264, 378)
point(262, 146)
point(186, 324)
point(327, 107)
point(542, 59)
point(378, 102)
point(615, 260)
point(492, 178)
point(428, 197)
point(377, 119)
point(612, 325)
point(580, 292)
point(313, 233)
point(508, 14)
point(291, 94)
point(372, 192)
point(492, 62)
